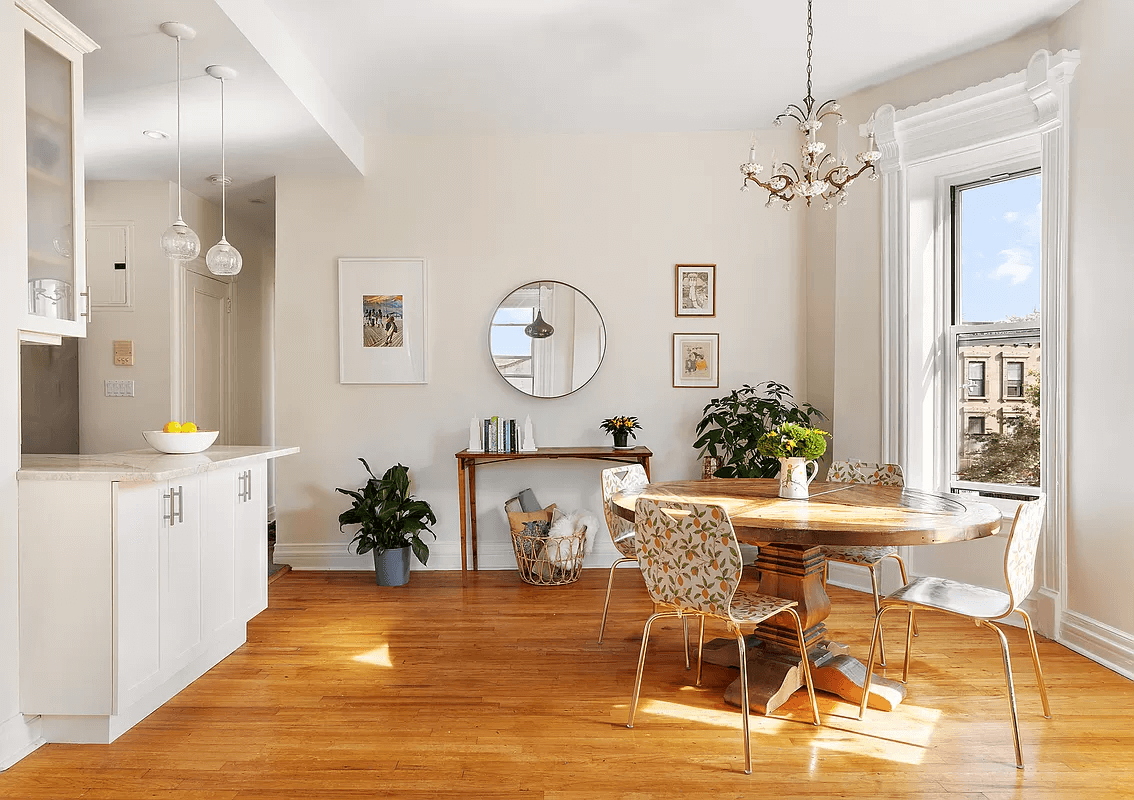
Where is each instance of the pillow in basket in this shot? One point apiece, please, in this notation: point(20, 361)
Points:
point(517, 519)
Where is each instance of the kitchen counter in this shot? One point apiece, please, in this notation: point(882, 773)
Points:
point(141, 465)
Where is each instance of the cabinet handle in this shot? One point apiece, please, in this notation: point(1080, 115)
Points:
point(180, 504)
point(87, 294)
point(247, 485)
point(170, 516)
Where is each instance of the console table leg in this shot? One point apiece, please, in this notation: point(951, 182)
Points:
point(461, 502)
point(472, 512)
point(645, 462)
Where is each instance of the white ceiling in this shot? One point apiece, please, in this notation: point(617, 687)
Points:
point(352, 67)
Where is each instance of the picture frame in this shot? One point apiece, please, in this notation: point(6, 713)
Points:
point(382, 320)
point(696, 360)
point(695, 290)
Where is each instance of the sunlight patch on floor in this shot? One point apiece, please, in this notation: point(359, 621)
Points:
point(379, 656)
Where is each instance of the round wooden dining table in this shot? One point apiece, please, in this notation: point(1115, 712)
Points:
point(791, 565)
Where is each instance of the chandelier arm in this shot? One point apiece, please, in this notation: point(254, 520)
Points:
point(831, 156)
point(794, 112)
point(849, 177)
point(783, 193)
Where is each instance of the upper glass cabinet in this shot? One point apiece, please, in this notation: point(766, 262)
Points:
point(57, 296)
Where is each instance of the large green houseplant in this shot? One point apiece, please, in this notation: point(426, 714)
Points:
point(390, 523)
point(731, 427)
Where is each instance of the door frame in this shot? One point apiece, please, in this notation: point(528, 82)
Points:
point(178, 360)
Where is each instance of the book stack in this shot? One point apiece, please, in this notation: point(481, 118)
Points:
point(501, 435)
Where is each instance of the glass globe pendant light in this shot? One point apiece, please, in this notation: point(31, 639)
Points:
point(223, 258)
point(179, 242)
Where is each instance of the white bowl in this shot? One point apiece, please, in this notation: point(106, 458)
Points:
point(180, 442)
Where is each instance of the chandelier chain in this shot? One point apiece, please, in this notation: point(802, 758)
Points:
point(810, 34)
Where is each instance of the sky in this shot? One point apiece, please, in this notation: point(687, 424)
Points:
point(1000, 250)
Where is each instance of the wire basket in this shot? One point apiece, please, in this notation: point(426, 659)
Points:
point(549, 560)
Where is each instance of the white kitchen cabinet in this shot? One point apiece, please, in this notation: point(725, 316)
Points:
point(131, 589)
point(58, 301)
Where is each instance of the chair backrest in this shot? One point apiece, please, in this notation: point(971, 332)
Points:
point(630, 477)
point(1020, 554)
point(855, 471)
point(690, 561)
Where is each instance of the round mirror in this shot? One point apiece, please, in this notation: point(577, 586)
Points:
point(547, 339)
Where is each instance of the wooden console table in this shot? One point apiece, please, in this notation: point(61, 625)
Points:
point(466, 478)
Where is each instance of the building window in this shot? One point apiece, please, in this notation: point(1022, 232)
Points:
point(975, 385)
point(995, 301)
point(512, 348)
point(1014, 379)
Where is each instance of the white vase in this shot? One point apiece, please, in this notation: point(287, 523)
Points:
point(794, 479)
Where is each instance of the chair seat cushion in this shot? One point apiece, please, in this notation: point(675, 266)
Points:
point(867, 555)
point(952, 596)
point(753, 607)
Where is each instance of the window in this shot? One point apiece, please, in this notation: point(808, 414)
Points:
point(975, 385)
point(995, 283)
point(508, 338)
point(1014, 379)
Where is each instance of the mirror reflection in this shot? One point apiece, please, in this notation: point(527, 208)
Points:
point(547, 339)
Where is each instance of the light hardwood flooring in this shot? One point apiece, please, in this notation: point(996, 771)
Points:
point(488, 688)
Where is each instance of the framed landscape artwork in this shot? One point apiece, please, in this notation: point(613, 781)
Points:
point(382, 322)
point(696, 360)
point(695, 288)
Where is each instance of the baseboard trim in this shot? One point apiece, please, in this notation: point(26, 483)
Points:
point(1099, 642)
point(20, 735)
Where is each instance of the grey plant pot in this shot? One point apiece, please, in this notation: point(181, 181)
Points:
point(392, 567)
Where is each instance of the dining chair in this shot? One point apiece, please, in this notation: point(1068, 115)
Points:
point(691, 562)
point(981, 605)
point(629, 478)
point(871, 557)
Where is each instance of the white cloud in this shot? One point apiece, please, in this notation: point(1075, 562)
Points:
point(1011, 216)
point(1015, 265)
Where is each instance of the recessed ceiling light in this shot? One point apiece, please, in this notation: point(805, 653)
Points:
point(155, 134)
point(217, 180)
point(258, 201)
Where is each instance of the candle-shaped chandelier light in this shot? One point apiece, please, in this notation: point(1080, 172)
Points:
point(223, 258)
point(820, 174)
point(179, 242)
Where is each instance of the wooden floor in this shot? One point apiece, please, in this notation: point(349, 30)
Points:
point(489, 688)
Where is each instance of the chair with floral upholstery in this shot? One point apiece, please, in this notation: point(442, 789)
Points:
point(691, 562)
point(854, 471)
point(980, 604)
point(629, 478)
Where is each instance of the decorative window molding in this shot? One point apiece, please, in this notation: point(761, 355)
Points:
point(1017, 118)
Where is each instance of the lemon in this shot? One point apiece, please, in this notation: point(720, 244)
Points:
point(172, 426)
point(188, 427)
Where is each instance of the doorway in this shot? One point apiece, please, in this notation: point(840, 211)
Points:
point(206, 354)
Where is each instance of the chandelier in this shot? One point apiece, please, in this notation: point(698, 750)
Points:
point(820, 174)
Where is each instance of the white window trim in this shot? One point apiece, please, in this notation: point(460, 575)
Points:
point(1013, 120)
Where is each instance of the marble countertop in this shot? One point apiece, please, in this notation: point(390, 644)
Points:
point(140, 465)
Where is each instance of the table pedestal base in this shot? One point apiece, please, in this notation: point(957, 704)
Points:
point(795, 572)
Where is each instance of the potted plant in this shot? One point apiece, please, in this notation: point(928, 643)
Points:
point(621, 428)
point(796, 447)
point(390, 523)
point(731, 427)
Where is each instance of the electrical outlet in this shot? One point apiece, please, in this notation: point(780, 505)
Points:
point(119, 388)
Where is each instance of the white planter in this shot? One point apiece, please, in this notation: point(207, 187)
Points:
point(794, 479)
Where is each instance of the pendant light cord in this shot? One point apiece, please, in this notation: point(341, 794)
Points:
point(224, 173)
point(179, 129)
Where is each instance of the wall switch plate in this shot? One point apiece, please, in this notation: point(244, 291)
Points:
point(124, 353)
point(119, 388)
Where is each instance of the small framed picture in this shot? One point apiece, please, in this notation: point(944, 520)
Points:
point(695, 287)
point(382, 320)
point(696, 359)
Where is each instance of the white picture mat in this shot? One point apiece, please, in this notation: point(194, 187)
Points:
point(382, 276)
point(710, 342)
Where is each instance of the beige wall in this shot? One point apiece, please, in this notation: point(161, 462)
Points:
point(1100, 548)
point(610, 214)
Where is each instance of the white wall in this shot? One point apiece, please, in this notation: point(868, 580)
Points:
point(109, 424)
point(610, 214)
point(1100, 547)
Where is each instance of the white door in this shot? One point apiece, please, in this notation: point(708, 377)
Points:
point(217, 558)
point(179, 553)
point(251, 541)
point(138, 588)
point(207, 359)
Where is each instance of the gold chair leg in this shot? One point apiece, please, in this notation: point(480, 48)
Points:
point(877, 607)
point(911, 628)
point(905, 580)
point(1011, 690)
point(685, 631)
point(642, 662)
point(806, 664)
point(1036, 663)
point(870, 660)
point(744, 699)
point(700, 648)
point(609, 585)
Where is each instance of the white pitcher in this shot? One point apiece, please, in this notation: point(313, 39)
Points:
point(794, 479)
